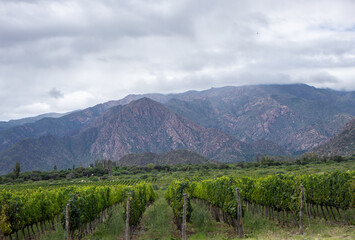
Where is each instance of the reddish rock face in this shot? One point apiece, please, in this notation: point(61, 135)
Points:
point(148, 126)
point(342, 144)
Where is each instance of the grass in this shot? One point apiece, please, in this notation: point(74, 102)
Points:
point(58, 234)
point(109, 230)
point(256, 227)
point(113, 227)
point(201, 219)
point(157, 222)
point(203, 226)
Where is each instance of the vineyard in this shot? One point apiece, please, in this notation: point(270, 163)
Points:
point(31, 211)
point(275, 197)
point(81, 208)
point(123, 182)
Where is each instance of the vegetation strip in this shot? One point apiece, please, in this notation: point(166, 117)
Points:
point(87, 206)
point(275, 194)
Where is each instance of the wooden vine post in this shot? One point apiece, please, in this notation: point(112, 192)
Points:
point(127, 230)
point(67, 228)
point(2, 236)
point(183, 225)
point(239, 214)
point(301, 209)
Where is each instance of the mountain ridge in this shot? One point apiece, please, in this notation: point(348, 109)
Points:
point(12, 123)
point(250, 113)
point(246, 121)
point(140, 126)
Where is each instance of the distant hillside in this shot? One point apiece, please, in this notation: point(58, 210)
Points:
point(269, 148)
point(225, 124)
point(37, 154)
point(22, 121)
point(169, 158)
point(67, 125)
point(138, 127)
point(342, 144)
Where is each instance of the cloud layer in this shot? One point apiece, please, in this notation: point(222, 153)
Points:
point(58, 56)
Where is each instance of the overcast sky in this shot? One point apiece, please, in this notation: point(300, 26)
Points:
point(58, 56)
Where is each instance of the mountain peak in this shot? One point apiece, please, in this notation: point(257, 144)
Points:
point(145, 108)
point(144, 101)
point(145, 125)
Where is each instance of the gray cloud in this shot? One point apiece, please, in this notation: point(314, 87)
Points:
point(55, 93)
point(323, 77)
point(96, 51)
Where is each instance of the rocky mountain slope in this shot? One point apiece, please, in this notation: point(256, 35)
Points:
point(298, 117)
point(147, 126)
point(343, 144)
point(138, 127)
point(67, 125)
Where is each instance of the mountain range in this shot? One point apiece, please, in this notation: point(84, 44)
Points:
point(225, 124)
point(138, 127)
